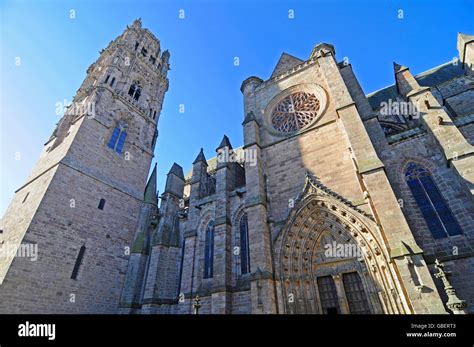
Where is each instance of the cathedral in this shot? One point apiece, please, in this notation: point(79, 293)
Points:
point(338, 202)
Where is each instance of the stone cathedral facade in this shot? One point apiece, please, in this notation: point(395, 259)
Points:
point(337, 202)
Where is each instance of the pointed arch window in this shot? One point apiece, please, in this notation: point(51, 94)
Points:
point(135, 90)
point(209, 251)
point(112, 82)
point(244, 245)
point(117, 140)
point(434, 209)
point(107, 79)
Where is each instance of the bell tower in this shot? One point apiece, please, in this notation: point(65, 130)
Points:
point(65, 236)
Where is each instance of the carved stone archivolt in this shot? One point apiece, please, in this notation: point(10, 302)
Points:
point(323, 222)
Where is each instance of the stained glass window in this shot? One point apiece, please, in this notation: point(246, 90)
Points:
point(209, 251)
point(434, 209)
point(295, 112)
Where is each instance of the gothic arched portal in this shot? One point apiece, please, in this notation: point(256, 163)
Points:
point(330, 258)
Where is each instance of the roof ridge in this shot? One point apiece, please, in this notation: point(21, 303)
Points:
point(449, 62)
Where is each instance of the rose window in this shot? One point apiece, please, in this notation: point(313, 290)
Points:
point(295, 112)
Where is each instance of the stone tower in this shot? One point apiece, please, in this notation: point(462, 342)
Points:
point(79, 208)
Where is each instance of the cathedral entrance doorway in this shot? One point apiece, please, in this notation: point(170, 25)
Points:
point(329, 260)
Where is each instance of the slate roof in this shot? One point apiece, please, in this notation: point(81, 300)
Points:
point(429, 78)
point(439, 74)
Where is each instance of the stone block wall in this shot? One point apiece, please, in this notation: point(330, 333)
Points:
point(59, 230)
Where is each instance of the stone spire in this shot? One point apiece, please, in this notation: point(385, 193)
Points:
point(150, 190)
point(398, 68)
point(137, 23)
point(200, 157)
point(165, 56)
point(405, 81)
point(224, 143)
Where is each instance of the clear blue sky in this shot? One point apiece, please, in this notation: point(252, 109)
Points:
point(56, 50)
